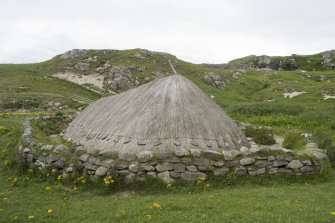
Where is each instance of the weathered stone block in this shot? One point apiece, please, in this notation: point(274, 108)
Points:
point(164, 167)
point(247, 161)
point(144, 156)
point(220, 171)
point(165, 177)
point(179, 167)
point(191, 168)
point(190, 176)
point(101, 171)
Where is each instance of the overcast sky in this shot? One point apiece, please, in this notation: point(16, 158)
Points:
point(212, 31)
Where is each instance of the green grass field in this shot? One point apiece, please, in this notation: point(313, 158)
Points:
point(284, 199)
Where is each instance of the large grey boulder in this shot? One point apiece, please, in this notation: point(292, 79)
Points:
point(214, 80)
point(73, 53)
point(119, 78)
point(82, 66)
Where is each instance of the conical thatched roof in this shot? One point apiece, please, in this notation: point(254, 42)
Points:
point(165, 115)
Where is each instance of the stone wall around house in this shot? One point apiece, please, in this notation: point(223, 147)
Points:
point(186, 165)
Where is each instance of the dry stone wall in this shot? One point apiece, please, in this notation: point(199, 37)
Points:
point(186, 165)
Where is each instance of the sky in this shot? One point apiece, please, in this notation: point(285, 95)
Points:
point(198, 31)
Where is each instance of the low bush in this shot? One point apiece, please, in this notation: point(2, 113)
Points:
point(262, 135)
point(324, 141)
point(294, 140)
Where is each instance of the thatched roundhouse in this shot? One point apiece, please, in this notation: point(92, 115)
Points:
point(165, 116)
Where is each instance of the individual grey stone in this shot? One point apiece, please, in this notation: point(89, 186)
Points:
point(260, 171)
point(109, 153)
point(195, 152)
point(211, 154)
point(84, 157)
point(234, 163)
point(147, 167)
point(179, 167)
point(30, 158)
point(94, 160)
point(240, 171)
point(90, 166)
point(205, 168)
point(126, 156)
point(69, 169)
point(220, 171)
point(130, 178)
point(144, 156)
point(181, 152)
point(173, 160)
point(59, 148)
point(108, 163)
point(273, 170)
point(201, 161)
point(152, 174)
point(134, 167)
point(165, 177)
point(47, 148)
point(306, 169)
point(190, 176)
point(82, 66)
point(26, 150)
point(216, 163)
point(185, 160)
point(244, 150)
point(284, 170)
point(101, 171)
point(262, 164)
point(247, 161)
point(271, 158)
point(295, 164)
point(123, 172)
point(191, 168)
point(279, 163)
point(121, 166)
point(164, 167)
point(307, 162)
point(174, 174)
point(254, 149)
point(59, 164)
point(289, 158)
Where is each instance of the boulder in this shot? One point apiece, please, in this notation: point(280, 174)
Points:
point(82, 66)
point(240, 171)
point(101, 171)
point(214, 80)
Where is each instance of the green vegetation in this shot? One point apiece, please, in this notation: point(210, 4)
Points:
point(262, 135)
point(294, 140)
point(251, 96)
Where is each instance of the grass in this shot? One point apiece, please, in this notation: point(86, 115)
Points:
point(311, 201)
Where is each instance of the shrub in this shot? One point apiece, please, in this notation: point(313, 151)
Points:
point(294, 140)
point(324, 141)
point(262, 135)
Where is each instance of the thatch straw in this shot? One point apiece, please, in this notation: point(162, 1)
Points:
point(161, 116)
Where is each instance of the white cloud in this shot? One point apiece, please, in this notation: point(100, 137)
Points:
point(198, 31)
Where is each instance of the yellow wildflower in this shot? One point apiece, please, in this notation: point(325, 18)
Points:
point(148, 217)
point(201, 179)
point(30, 217)
point(59, 177)
point(48, 188)
point(156, 205)
point(168, 185)
point(50, 211)
point(16, 217)
point(30, 170)
point(332, 213)
point(75, 188)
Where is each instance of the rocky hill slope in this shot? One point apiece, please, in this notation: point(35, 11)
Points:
point(320, 61)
